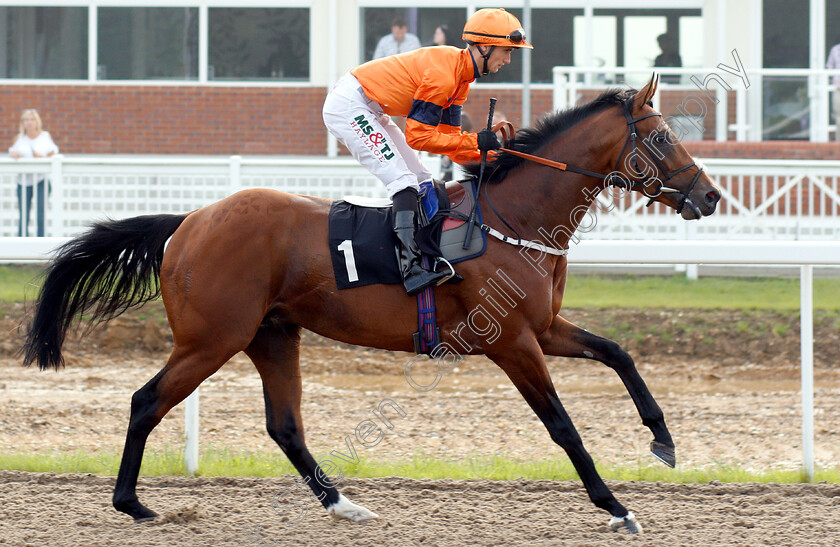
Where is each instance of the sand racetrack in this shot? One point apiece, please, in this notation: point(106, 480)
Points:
point(46, 509)
point(732, 410)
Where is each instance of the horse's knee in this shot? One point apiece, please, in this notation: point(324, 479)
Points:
point(287, 438)
point(286, 433)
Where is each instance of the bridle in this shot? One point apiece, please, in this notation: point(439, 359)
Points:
point(615, 179)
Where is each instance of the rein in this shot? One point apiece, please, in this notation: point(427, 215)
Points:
point(614, 179)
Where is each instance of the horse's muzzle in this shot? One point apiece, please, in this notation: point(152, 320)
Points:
point(701, 202)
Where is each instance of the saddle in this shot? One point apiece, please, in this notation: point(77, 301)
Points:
point(362, 242)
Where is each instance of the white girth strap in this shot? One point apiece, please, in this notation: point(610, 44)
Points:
point(524, 242)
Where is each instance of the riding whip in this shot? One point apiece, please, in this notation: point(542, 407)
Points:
point(474, 211)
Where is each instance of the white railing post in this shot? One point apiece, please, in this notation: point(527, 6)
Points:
point(722, 115)
point(722, 108)
point(191, 433)
point(807, 349)
point(560, 90)
point(235, 174)
point(57, 212)
point(741, 121)
point(682, 268)
point(691, 270)
point(817, 37)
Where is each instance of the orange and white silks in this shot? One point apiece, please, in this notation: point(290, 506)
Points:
point(428, 86)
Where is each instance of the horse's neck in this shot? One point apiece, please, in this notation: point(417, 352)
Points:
point(538, 200)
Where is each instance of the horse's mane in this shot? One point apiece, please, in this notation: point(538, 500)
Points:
point(531, 139)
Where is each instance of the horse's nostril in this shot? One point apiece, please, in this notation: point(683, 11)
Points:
point(712, 197)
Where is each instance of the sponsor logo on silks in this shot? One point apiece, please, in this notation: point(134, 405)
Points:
point(376, 142)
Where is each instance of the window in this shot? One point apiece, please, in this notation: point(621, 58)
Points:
point(786, 104)
point(604, 48)
point(43, 42)
point(553, 37)
point(259, 44)
point(691, 41)
point(639, 38)
point(148, 43)
point(422, 22)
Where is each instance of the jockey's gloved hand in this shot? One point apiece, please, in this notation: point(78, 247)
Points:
point(487, 140)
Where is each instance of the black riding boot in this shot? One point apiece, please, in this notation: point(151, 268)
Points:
point(415, 278)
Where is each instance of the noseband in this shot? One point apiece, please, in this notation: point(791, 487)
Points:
point(615, 179)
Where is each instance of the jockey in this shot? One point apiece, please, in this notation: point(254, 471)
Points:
point(428, 86)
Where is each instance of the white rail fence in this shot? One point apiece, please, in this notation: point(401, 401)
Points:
point(770, 103)
point(762, 199)
point(806, 254)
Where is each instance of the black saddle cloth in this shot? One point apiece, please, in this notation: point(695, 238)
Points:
point(363, 246)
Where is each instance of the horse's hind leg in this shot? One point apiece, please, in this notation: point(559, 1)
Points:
point(182, 374)
point(275, 351)
point(565, 339)
point(524, 364)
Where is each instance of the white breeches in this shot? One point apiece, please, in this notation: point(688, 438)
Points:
point(372, 137)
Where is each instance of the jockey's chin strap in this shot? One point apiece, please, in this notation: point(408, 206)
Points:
point(486, 57)
point(614, 178)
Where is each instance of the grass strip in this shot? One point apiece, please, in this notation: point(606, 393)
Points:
point(21, 282)
point(230, 463)
point(676, 291)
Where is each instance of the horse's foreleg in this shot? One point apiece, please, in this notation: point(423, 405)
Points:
point(565, 339)
point(275, 351)
point(525, 366)
point(181, 375)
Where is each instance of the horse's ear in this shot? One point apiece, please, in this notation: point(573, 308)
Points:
point(645, 94)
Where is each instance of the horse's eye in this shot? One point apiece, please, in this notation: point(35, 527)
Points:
point(659, 139)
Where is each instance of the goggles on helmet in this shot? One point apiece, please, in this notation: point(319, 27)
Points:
point(516, 37)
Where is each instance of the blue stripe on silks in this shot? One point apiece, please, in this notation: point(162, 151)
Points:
point(451, 116)
point(425, 112)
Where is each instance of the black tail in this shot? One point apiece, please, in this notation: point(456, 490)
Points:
point(113, 266)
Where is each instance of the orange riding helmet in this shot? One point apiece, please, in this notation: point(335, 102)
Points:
point(495, 27)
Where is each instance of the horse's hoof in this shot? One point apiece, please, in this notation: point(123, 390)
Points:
point(345, 509)
point(627, 523)
point(136, 510)
point(664, 453)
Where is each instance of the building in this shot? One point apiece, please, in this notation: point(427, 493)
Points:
point(222, 77)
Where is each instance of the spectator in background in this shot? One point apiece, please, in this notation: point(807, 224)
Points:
point(32, 142)
point(399, 41)
point(833, 63)
point(670, 56)
point(441, 36)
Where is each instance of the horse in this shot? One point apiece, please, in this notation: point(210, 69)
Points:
point(248, 272)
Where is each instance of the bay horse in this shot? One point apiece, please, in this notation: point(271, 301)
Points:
point(249, 272)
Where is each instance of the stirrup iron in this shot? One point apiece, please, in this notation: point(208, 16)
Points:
point(438, 260)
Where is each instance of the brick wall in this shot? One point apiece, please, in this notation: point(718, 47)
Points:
point(272, 121)
point(792, 150)
point(172, 119)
